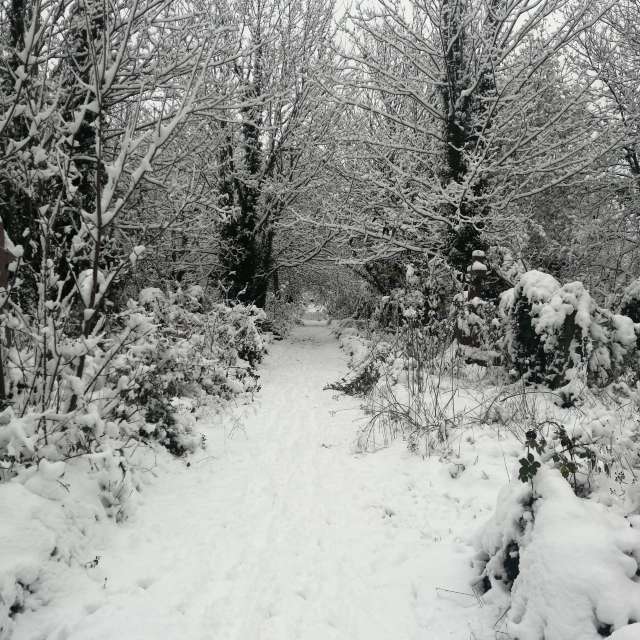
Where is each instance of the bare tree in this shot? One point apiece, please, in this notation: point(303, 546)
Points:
point(459, 129)
point(95, 91)
point(277, 142)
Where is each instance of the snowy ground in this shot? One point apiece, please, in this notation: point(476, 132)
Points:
point(281, 531)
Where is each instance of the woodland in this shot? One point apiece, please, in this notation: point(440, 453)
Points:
point(454, 183)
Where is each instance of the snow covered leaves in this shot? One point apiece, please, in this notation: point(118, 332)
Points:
point(160, 348)
point(577, 562)
point(558, 336)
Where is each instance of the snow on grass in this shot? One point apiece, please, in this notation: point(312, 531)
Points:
point(559, 566)
point(52, 518)
point(31, 532)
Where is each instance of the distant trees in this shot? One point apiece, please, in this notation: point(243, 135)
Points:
point(609, 52)
point(274, 144)
point(243, 138)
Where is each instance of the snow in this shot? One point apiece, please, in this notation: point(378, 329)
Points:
point(632, 292)
point(315, 313)
point(27, 539)
point(31, 538)
point(507, 299)
point(631, 632)
point(579, 564)
point(354, 345)
point(625, 332)
point(283, 529)
point(538, 286)
point(14, 436)
point(43, 525)
point(571, 298)
point(85, 285)
point(150, 295)
point(16, 250)
point(136, 252)
point(280, 530)
point(577, 561)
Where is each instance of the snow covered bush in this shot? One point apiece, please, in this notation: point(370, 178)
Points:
point(282, 315)
point(574, 455)
point(558, 336)
point(158, 348)
point(478, 330)
point(182, 352)
point(405, 377)
point(83, 376)
point(367, 359)
point(91, 401)
point(194, 343)
point(595, 445)
point(569, 566)
point(423, 297)
point(399, 365)
point(404, 333)
point(499, 541)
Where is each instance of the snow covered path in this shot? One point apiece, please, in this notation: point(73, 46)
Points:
point(281, 532)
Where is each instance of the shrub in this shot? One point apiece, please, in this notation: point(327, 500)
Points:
point(558, 336)
point(478, 329)
point(368, 358)
point(181, 352)
point(281, 315)
point(159, 347)
point(94, 399)
point(569, 564)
